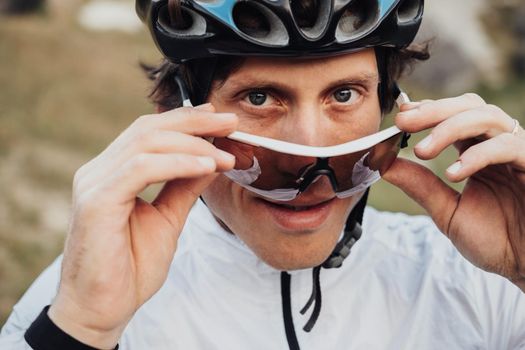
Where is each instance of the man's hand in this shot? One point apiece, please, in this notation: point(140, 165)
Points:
point(119, 247)
point(486, 222)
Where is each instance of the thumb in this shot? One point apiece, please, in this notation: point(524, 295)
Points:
point(178, 196)
point(428, 190)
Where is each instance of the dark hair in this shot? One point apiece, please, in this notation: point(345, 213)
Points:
point(393, 63)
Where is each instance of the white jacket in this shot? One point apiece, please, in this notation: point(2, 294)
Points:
point(404, 286)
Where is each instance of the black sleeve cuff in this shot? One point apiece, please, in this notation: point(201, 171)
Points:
point(43, 334)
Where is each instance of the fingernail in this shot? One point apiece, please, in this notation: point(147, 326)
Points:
point(227, 157)
point(204, 106)
point(425, 142)
point(454, 168)
point(409, 113)
point(411, 105)
point(207, 162)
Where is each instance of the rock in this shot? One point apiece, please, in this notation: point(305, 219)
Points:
point(105, 15)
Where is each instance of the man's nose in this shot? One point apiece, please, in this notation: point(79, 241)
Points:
point(304, 125)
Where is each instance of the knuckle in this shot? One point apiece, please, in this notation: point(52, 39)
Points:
point(441, 131)
point(492, 110)
point(427, 108)
point(142, 138)
point(474, 98)
point(145, 140)
point(197, 117)
point(185, 116)
point(85, 203)
point(187, 112)
point(77, 180)
point(511, 145)
point(507, 140)
point(142, 121)
point(79, 174)
point(139, 162)
point(471, 156)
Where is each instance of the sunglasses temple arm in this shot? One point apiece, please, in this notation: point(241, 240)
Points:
point(402, 98)
point(184, 95)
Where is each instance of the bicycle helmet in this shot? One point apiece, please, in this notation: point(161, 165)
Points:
point(215, 27)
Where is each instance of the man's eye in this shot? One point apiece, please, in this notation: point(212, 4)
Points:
point(346, 95)
point(257, 98)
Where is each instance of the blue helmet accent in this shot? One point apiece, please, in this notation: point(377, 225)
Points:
point(386, 6)
point(222, 9)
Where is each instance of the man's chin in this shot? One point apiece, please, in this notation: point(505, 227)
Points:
point(292, 255)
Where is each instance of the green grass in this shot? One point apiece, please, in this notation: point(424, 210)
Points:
point(65, 93)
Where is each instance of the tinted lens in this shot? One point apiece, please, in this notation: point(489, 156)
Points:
point(283, 176)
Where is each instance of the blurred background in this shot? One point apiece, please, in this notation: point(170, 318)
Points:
point(70, 82)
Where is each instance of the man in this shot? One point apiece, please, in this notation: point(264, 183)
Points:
point(313, 77)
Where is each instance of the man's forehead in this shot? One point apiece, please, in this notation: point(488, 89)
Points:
point(358, 67)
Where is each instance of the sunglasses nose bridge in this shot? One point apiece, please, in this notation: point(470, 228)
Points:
point(294, 166)
point(320, 169)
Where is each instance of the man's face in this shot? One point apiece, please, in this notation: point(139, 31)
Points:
point(316, 102)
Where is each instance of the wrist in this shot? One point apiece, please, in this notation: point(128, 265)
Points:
point(76, 322)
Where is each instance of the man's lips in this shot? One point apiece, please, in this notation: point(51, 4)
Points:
point(302, 204)
point(298, 216)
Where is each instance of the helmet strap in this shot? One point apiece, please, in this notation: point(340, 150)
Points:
point(203, 71)
point(383, 88)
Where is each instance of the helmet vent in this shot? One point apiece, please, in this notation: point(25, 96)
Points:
point(187, 23)
point(311, 17)
point(409, 10)
point(357, 19)
point(259, 24)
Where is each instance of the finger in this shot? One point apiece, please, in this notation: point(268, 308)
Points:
point(177, 197)
point(430, 114)
point(191, 121)
point(158, 141)
point(501, 149)
point(204, 107)
point(428, 190)
point(243, 153)
point(486, 121)
point(145, 169)
point(210, 124)
point(413, 104)
point(203, 124)
point(184, 120)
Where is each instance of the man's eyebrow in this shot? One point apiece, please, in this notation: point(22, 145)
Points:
point(362, 78)
point(367, 78)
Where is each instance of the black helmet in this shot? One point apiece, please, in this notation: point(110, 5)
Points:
point(216, 27)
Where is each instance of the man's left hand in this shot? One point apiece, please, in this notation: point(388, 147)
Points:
point(486, 221)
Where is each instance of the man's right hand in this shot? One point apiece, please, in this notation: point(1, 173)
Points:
point(119, 248)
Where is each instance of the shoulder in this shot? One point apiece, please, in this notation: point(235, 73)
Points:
point(427, 257)
point(416, 251)
point(414, 236)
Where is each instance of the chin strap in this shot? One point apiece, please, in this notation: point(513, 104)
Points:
point(352, 233)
